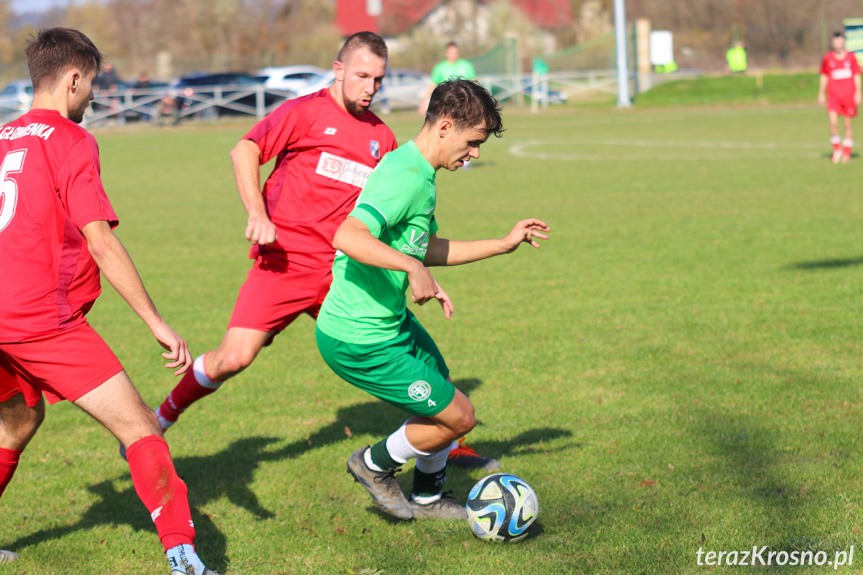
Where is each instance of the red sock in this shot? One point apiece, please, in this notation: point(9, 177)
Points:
point(160, 489)
point(837, 143)
point(8, 465)
point(190, 389)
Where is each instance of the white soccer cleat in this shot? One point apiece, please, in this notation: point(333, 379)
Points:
point(837, 156)
point(7, 556)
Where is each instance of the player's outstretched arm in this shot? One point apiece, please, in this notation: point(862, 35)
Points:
point(443, 252)
point(246, 159)
point(116, 265)
point(354, 239)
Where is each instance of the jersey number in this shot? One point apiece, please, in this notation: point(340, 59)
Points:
point(13, 163)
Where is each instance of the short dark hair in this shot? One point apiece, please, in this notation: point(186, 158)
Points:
point(468, 105)
point(452, 44)
point(54, 51)
point(838, 34)
point(370, 40)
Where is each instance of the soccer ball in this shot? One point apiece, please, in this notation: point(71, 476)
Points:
point(501, 507)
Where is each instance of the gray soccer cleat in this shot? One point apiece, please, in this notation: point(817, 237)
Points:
point(445, 508)
point(191, 571)
point(7, 556)
point(381, 485)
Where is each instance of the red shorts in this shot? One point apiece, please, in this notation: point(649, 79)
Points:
point(64, 365)
point(845, 108)
point(277, 292)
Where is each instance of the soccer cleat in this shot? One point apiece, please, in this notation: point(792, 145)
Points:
point(846, 157)
point(465, 457)
point(445, 508)
point(191, 571)
point(381, 485)
point(837, 156)
point(7, 556)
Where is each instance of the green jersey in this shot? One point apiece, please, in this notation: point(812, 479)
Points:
point(366, 304)
point(445, 70)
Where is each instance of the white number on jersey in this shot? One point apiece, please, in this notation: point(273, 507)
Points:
point(13, 163)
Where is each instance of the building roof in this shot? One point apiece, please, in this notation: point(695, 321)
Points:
point(399, 16)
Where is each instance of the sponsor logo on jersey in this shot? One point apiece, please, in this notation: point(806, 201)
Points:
point(375, 149)
point(841, 74)
point(418, 245)
point(43, 131)
point(330, 132)
point(342, 170)
point(419, 390)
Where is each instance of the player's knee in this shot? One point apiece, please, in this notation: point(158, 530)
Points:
point(232, 362)
point(465, 422)
point(21, 429)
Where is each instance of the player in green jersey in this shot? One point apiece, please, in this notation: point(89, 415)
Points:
point(364, 330)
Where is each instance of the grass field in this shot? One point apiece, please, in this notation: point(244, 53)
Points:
point(678, 368)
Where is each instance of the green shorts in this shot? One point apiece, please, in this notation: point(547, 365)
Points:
point(407, 371)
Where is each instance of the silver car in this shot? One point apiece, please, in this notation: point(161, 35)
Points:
point(16, 98)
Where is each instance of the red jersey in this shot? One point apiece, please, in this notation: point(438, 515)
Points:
point(50, 188)
point(324, 155)
point(840, 76)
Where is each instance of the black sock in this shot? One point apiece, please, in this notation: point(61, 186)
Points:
point(428, 484)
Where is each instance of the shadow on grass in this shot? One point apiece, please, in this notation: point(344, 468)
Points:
point(826, 264)
point(229, 473)
point(209, 478)
point(380, 419)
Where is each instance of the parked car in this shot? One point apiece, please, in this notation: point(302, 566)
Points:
point(323, 81)
point(16, 97)
point(402, 89)
point(554, 96)
point(290, 78)
point(191, 90)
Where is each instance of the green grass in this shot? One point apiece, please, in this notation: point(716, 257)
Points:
point(678, 368)
point(748, 90)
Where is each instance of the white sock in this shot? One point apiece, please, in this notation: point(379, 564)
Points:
point(163, 423)
point(367, 457)
point(436, 461)
point(201, 374)
point(848, 143)
point(400, 448)
point(182, 557)
point(835, 140)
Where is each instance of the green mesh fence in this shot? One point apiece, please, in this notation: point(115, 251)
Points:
point(597, 54)
point(502, 59)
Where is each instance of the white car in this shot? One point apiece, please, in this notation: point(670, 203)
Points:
point(16, 98)
point(289, 78)
point(401, 89)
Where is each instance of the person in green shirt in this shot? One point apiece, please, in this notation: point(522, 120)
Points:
point(365, 332)
point(736, 58)
point(452, 66)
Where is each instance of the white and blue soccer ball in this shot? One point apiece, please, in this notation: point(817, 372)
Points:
point(501, 508)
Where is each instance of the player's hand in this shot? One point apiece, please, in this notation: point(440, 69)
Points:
point(261, 231)
point(822, 101)
point(178, 354)
point(525, 231)
point(445, 302)
point(857, 98)
point(423, 286)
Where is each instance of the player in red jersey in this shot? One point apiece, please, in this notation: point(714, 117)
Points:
point(840, 91)
point(55, 237)
point(325, 145)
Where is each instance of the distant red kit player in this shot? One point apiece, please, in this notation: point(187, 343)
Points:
point(840, 91)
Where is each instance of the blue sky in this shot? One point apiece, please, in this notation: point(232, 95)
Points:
point(36, 5)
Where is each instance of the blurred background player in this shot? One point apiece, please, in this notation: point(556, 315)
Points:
point(839, 89)
point(55, 237)
point(735, 58)
point(452, 66)
point(365, 332)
